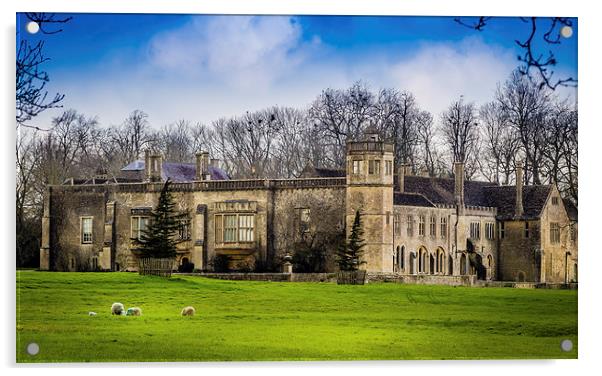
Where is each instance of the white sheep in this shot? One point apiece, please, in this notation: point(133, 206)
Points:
point(117, 309)
point(188, 311)
point(134, 311)
point(92, 313)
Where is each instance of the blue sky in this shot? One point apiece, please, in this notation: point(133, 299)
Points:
point(201, 68)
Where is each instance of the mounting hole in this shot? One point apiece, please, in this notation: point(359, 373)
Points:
point(566, 31)
point(33, 348)
point(566, 345)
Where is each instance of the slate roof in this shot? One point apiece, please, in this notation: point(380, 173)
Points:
point(484, 194)
point(411, 199)
point(441, 190)
point(571, 209)
point(319, 172)
point(504, 198)
point(179, 172)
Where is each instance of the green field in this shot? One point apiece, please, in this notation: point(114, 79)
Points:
point(239, 321)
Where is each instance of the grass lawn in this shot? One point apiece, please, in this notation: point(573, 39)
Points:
point(239, 321)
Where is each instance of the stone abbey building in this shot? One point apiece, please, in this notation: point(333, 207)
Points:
point(413, 225)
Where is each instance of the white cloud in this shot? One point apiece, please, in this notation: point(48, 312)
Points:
point(242, 51)
point(440, 73)
point(226, 66)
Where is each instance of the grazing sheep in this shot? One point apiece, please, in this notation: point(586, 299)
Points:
point(188, 311)
point(117, 309)
point(92, 313)
point(134, 311)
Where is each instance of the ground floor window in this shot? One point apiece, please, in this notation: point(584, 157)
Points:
point(86, 230)
point(139, 224)
point(232, 228)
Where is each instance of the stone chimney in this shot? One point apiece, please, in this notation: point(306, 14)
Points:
point(518, 211)
point(202, 165)
point(155, 166)
point(147, 165)
point(459, 184)
point(403, 171)
point(401, 177)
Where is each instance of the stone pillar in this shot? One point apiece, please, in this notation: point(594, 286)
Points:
point(45, 244)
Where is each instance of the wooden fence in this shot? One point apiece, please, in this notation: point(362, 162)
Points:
point(357, 277)
point(156, 266)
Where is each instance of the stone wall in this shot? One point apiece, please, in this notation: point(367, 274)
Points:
point(459, 280)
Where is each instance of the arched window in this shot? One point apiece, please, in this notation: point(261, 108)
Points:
point(463, 270)
point(402, 257)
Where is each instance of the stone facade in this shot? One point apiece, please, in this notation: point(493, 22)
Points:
point(413, 226)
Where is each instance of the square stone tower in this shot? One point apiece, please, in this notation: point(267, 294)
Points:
point(370, 190)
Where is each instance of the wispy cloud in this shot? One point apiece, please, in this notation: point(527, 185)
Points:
point(241, 51)
point(223, 66)
point(442, 72)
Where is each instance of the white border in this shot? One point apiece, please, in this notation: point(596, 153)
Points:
point(589, 86)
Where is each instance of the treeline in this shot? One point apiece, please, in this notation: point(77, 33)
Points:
point(523, 122)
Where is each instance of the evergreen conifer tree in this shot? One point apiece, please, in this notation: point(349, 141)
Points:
point(160, 237)
point(350, 252)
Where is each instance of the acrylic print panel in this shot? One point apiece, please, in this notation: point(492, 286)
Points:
point(237, 188)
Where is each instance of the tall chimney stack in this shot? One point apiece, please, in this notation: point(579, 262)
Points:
point(147, 165)
point(401, 177)
point(518, 212)
point(156, 166)
point(202, 165)
point(459, 184)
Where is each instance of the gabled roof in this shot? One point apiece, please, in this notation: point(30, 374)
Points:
point(441, 190)
point(504, 198)
point(484, 194)
point(179, 172)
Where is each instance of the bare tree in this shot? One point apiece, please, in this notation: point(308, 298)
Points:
point(560, 153)
point(132, 137)
point(341, 115)
point(532, 60)
point(174, 140)
point(500, 144)
point(399, 117)
point(31, 80)
point(292, 151)
point(459, 130)
point(431, 159)
point(526, 107)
